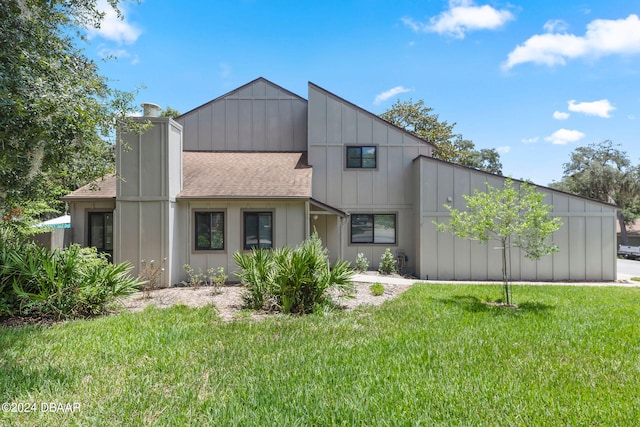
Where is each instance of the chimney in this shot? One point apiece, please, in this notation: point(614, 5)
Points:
point(150, 109)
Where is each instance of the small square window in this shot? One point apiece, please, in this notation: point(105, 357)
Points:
point(362, 157)
point(209, 231)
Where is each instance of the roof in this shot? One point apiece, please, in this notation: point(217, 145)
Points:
point(245, 174)
point(227, 175)
point(103, 188)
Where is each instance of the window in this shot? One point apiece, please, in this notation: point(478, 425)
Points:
point(373, 228)
point(364, 157)
point(209, 231)
point(101, 231)
point(258, 230)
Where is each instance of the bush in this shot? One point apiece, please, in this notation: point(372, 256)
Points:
point(387, 263)
point(362, 263)
point(377, 289)
point(291, 280)
point(72, 282)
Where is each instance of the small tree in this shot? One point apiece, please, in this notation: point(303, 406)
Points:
point(510, 216)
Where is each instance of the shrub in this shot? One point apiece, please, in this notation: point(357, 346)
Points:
point(214, 277)
point(387, 263)
point(362, 263)
point(377, 289)
point(72, 282)
point(291, 280)
point(150, 275)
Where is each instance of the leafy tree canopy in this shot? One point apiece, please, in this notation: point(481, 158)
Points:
point(418, 119)
point(57, 112)
point(603, 172)
point(510, 216)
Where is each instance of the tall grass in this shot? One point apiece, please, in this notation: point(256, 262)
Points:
point(437, 355)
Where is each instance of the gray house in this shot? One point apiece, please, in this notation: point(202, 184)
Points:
point(261, 166)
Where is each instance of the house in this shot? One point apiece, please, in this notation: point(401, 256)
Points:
point(262, 166)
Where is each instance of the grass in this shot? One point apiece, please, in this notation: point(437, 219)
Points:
point(437, 355)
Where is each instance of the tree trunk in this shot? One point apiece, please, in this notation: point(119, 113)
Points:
point(623, 229)
point(505, 278)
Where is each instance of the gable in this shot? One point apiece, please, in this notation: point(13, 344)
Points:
point(259, 116)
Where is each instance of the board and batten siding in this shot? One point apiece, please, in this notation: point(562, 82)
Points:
point(259, 116)
point(335, 124)
point(289, 229)
point(586, 238)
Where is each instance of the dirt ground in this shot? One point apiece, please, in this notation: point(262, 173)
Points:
point(229, 300)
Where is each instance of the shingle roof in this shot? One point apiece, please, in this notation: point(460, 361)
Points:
point(103, 188)
point(245, 174)
point(228, 175)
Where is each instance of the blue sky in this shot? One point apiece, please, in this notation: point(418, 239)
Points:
point(533, 79)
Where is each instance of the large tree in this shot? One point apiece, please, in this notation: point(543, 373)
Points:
point(603, 172)
point(57, 112)
point(509, 216)
point(418, 119)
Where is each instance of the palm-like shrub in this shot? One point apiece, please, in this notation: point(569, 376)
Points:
point(291, 280)
point(72, 282)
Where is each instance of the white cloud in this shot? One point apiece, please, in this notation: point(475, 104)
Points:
point(555, 25)
point(381, 97)
point(504, 149)
point(560, 115)
point(603, 37)
point(600, 108)
point(108, 53)
point(531, 140)
point(113, 27)
point(462, 16)
point(564, 136)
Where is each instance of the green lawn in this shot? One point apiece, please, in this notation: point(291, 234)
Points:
point(434, 356)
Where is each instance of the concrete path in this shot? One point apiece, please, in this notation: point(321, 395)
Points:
point(624, 280)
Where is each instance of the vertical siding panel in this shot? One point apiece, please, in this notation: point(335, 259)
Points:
point(285, 126)
point(245, 125)
point(333, 174)
point(232, 125)
point(380, 177)
point(272, 123)
point(593, 247)
point(259, 124)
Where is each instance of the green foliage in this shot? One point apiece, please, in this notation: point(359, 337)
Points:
point(434, 356)
point(418, 119)
point(213, 277)
point(387, 263)
point(362, 263)
point(73, 282)
point(510, 216)
point(57, 112)
point(170, 112)
point(377, 289)
point(291, 280)
point(603, 172)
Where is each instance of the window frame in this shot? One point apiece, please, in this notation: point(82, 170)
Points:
point(361, 157)
point(373, 216)
point(258, 213)
point(196, 213)
point(90, 220)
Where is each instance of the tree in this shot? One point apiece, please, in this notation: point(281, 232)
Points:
point(603, 172)
point(509, 216)
point(170, 112)
point(418, 119)
point(57, 112)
